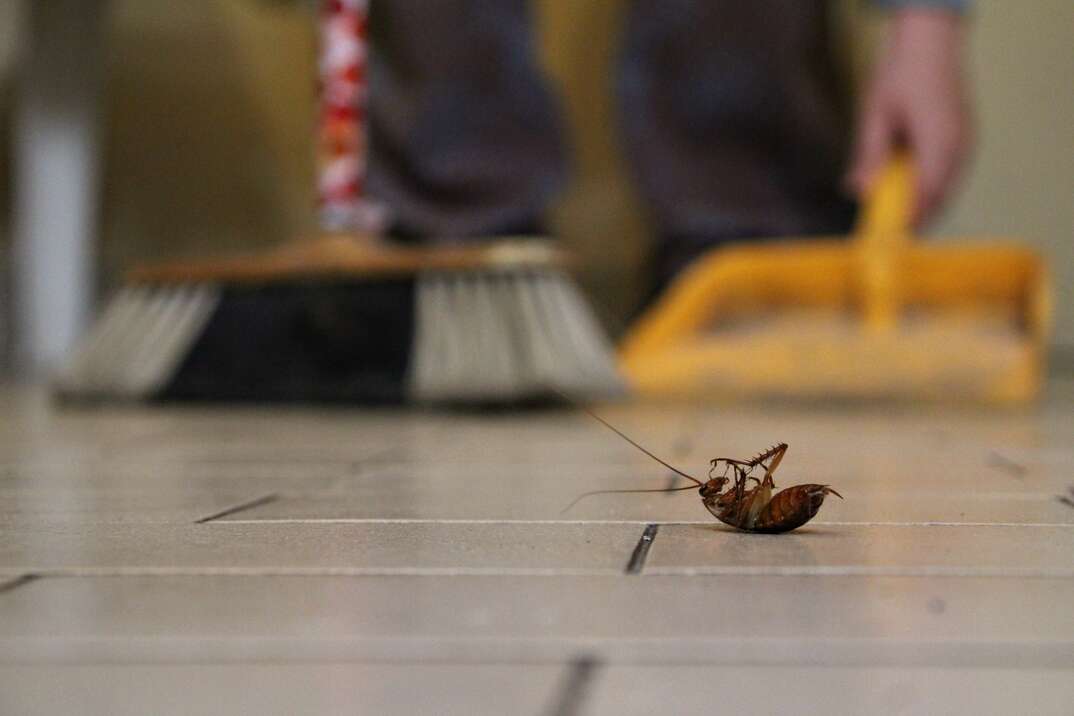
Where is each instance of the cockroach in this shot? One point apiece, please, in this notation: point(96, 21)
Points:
point(751, 509)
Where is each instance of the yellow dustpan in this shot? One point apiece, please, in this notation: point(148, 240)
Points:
point(875, 316)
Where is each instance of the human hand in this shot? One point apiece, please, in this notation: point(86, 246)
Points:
point(916, 98)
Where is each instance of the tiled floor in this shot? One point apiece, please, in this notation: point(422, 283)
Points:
point(195, 560)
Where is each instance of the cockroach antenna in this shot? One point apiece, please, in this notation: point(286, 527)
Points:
point(620, 433)
point(617, 431)
point(578, 499)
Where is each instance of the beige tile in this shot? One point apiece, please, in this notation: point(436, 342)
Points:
point(530, 689)
point(830, 440)
point(31, 506)
point(113, 491)
point(159, 436)
point(824, 691)
point(871, 549)
point(917, 506)
point(859, 448)
point(319, 688)
point(387, 488)
point(833, 620)
point(823, 449)
point(317, 548)
point(486, 493)
point(252, 475)
point(58, 456)
point(500, 499)
point(903, 482)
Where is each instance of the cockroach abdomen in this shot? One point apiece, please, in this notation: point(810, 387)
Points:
point(791, 507)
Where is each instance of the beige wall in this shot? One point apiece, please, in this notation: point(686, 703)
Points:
point(210, 117)
point(1022, 180)
point(210, 108)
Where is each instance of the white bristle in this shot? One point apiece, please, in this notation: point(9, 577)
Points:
point(591, 348)
point(429, 342)
point(537, 335)
point(149, 321)
point(98, 362)
point(78, 369)
point(496, 367)
point(177, 324)
point(506, 335)
point(138, 343)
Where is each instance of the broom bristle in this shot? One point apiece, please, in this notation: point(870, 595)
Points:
point(138, 342)
point(505, 336)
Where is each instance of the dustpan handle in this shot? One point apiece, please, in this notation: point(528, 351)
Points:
point(885, 214)
point(882, 232)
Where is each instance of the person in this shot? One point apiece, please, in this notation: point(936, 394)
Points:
point(734, 117)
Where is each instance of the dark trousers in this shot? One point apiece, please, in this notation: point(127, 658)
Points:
point(732, 114)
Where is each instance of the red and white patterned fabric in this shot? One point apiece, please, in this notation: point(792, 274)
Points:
point(342, 146)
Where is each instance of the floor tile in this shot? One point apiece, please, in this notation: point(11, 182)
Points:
point(917, 506)
point(317, 548)
point(421, 561)
point(854, 549)
point(279, 689)
point(248, 475)
point(622, 691)
point(833, 620)
point(533, 689)
point(30, 506)
point(498, 499)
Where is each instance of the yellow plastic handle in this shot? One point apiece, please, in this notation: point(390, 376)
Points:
point(882, 232)
point(889, 202)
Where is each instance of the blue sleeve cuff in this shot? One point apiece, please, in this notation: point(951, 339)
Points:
point(959, 6)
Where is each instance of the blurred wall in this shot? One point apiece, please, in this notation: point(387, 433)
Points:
point(210, 115)
point(1022, 180)
point(210, 107)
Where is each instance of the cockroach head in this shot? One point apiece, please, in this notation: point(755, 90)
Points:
point(713, 487)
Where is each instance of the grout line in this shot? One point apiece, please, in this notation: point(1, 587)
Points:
point(420, 521)
point(572, 695)
point(209, 571)
point(13, 584)
point(666, 571)
point(279, 460)
point(945, 524)
point(863, 571)
point(263, 500)
point(424, 521)
point(641, 551)
point(530, 650)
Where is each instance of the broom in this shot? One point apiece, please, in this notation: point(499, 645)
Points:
point(348, 316)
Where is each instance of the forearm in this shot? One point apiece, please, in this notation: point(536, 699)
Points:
point(917, 98)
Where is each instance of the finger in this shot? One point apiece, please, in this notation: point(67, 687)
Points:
point(876, 138)
point(937, 152)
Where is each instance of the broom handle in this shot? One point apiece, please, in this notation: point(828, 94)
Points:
point(343, 120)
point(882, 234)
